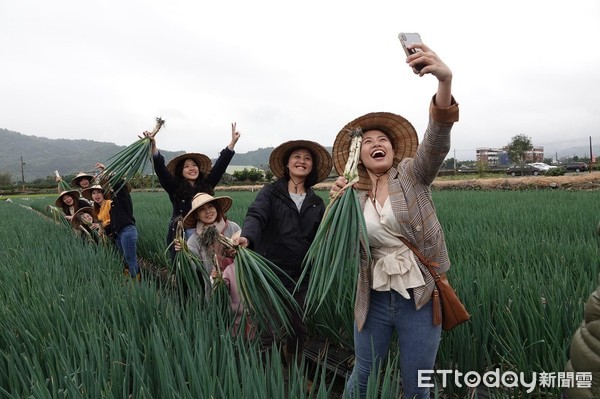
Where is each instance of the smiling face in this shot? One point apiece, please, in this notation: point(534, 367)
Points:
point(190, 170)
point(376, 152)
point(97, 196)
point(300, 163)
point(68, 200)
point(84, 182)
point(86, 218)
point(207, 213)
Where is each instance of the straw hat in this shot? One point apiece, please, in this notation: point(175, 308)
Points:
point(280, 155)
point(87, 193)
point(72, 193)
point(401, 132)
point(204, 163)
point(223, 203)
point(75, 222)
point(81, 175)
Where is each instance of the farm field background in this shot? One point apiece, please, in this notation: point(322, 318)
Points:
point(523, 262)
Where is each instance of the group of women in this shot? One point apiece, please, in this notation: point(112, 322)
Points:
point(395, 175)
point(103, 213)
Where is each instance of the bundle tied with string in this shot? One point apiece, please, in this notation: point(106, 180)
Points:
point(333, 259)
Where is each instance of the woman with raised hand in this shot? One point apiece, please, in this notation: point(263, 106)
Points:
point(82, 180)
point(188, 174)
point(395, 174)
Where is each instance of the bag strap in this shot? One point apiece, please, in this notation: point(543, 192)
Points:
point(427, 262)
point(431, 265)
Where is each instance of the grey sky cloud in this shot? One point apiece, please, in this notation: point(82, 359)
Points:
point(282, 71)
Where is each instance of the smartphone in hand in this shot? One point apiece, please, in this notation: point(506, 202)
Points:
point(410, 38)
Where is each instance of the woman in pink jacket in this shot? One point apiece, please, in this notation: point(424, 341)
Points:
point(210, 212)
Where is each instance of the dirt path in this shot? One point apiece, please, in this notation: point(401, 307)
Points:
point(582, 181)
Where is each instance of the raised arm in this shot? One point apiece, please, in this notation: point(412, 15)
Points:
point(436, 67)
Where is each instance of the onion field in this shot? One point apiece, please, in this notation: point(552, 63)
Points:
point(71, 326)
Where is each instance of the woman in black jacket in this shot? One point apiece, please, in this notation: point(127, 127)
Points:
point(187, 175)
point(282, 221)
point(122, 224)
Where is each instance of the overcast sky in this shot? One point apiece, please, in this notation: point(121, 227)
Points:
point(103, 70)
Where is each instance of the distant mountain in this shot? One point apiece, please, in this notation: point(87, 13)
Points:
point(257, 158)
point(42, 156)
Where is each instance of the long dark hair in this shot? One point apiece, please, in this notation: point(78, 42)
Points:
point(66, 207)
point(96, 206)
point(313, 176)
point(184, 190)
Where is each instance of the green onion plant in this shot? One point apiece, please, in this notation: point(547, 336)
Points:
point(125, 164)
point(333, 259)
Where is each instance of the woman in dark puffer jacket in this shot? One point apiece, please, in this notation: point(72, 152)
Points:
point(282, 221)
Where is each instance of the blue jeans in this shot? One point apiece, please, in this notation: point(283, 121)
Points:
point(126, 241)
point(418, 341)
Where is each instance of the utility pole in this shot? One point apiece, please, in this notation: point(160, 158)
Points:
point(22, 174)
point(455, 159)
point(591, 156)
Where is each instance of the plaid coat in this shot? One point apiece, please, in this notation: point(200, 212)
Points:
point(410, 195)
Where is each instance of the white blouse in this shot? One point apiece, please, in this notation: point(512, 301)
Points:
point(394, 265)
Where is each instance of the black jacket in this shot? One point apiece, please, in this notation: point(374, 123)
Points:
point(278, 231)
point(121, 208)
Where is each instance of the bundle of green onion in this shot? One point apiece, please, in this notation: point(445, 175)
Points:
point(333, 258)
point(125, 164)
point(93, 235)
point(58, 215)
point(219, 296)
point(262, 292)
point(190, 283)
point(62, 185)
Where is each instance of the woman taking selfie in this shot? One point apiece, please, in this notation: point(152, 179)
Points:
point(395, 175)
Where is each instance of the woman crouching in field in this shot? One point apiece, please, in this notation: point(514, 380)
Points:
point(207, 218)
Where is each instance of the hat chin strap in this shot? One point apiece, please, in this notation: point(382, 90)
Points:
point(373, 192)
